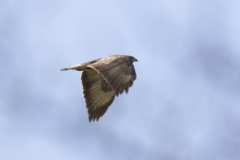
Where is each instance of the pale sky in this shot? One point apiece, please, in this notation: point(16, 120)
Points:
point(184, 104)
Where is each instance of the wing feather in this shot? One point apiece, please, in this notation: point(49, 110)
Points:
point(119, 74)
point(104, 78)
point(97, 93)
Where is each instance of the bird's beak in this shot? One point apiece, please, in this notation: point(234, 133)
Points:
point(135, 60)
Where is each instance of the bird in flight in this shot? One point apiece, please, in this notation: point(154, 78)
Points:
point(103, 79)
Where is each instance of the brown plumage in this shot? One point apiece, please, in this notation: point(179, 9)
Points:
point(104, 78)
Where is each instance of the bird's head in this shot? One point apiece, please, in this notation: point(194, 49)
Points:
point(134, 59)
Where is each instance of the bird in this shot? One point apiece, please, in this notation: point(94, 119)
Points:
point(103, 79)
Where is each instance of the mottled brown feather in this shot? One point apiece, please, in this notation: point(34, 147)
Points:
point(119, 73)
point(104, 78)
point(97, 93)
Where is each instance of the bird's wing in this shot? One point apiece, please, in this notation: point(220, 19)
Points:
point(118, 72)
point(97, 93)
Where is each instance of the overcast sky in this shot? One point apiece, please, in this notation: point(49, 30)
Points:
point(184, 105)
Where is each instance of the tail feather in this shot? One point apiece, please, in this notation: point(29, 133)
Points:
point(64, 69)
point(78, 67)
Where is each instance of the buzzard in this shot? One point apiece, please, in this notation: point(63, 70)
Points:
point(104, 78)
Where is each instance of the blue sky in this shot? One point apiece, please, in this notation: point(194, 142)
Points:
point(184, 104)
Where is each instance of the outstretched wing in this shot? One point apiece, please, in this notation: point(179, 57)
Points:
point(119, 72)
point(97, 93)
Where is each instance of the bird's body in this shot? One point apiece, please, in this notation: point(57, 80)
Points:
point(104, 78)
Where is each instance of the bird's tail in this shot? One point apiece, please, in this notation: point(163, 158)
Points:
point(64, 69)
point(78, 67)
